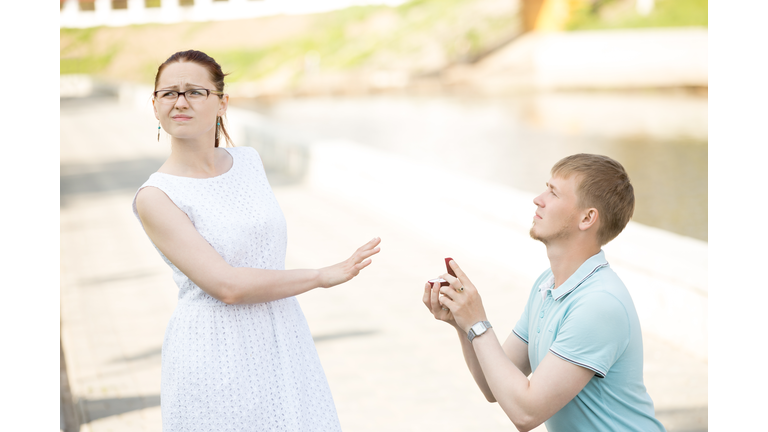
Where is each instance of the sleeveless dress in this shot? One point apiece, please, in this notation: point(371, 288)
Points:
point(238, 367)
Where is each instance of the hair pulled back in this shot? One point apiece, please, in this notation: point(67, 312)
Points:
point(215, 73)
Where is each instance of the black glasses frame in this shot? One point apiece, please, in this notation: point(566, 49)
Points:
point(178, 93)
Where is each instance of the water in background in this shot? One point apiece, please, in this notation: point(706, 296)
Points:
point(660, 138)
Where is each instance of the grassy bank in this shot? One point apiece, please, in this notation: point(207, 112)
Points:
point(418, 37)
point(618, 14)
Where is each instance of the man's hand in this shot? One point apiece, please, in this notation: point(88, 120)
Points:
point(431, 300)
point(461, 299)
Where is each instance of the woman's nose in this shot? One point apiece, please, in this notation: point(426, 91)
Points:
point(179, 100)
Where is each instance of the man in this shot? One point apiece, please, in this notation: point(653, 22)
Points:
point(579, 333)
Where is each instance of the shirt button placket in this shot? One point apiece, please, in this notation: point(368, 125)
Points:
point(544, 310)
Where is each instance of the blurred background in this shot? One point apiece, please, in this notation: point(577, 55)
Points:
point(429, 123)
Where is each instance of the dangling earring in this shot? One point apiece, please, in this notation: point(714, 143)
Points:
point(218, 126)
point(158, 131)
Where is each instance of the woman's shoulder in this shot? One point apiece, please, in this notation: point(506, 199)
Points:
point(149, 196)
point(243, 150)
point(247, 155)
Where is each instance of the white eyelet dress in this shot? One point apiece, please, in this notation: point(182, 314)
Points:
point(238, 367)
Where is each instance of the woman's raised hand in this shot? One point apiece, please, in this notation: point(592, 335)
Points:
point(349, 268)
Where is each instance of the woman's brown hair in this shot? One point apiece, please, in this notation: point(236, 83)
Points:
point(216, 75)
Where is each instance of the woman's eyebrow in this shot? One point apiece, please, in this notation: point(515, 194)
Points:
point(188, 85)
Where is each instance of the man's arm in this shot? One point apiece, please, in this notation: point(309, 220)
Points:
point(514, 349)
point(526, 403)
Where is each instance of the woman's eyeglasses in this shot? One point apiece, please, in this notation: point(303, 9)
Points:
point(191, 95)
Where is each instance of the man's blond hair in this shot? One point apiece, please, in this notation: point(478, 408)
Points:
point(602, 183)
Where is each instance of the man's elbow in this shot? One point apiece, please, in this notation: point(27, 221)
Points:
point(525, 423)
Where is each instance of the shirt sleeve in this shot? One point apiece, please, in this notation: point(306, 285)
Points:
point(594, 333)
point(521, 328)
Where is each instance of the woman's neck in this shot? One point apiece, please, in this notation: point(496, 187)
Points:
point(197, 158)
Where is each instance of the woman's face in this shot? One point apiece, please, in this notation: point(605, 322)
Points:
point(183, 118)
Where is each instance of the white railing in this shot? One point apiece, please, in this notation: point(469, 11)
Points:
point(170, 11)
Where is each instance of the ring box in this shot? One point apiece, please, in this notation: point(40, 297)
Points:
point(442, 281)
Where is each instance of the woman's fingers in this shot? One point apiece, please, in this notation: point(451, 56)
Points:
point(370, 245)
point(361, 265)
point(367, 250)
point(367, 253)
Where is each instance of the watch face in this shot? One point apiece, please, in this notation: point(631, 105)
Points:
point(478, 328)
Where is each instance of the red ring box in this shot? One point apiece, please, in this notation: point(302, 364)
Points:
point(442, 281)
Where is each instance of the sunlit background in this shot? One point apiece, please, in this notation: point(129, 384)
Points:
point(430, 123)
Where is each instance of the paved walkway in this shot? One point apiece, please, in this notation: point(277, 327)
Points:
point(391, 367)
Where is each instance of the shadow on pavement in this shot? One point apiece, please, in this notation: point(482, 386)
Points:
point(343, 335)
point(96, 409)
point(129, 175)
point(99, 282)
point(77, 179)
point(148, 354)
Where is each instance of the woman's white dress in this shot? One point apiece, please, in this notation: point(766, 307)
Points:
point(238, 367)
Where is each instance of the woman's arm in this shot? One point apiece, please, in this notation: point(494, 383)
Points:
point(172, 232)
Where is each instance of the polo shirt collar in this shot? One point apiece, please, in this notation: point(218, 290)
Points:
point(587, 269)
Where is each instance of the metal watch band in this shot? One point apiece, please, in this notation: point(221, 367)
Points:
point(471, 334)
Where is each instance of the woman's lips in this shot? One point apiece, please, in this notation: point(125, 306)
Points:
point(181, 118)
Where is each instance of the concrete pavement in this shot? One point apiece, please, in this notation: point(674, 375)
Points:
point(389, 364)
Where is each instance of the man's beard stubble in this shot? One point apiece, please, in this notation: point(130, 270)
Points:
point(559, 235)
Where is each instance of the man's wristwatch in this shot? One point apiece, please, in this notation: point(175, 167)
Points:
point(477, 329)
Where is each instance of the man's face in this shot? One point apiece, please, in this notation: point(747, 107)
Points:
point(557, 215)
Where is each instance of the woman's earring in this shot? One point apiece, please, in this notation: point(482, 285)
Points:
point(158, 131)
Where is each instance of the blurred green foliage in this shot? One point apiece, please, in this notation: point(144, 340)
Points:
point(616, 14)
point(419, 36)
point(82, 40)
point(359, 36)
point(85, 64)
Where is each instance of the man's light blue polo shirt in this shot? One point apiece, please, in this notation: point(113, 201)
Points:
point(590, 321)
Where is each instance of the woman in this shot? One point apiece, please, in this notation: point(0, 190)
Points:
point(237, 354)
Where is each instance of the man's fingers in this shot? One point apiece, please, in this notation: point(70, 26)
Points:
point(425, 297)
point(448, 303)
point(449, 278)
point(459, 272)
point(435, 298)
point(448, 292)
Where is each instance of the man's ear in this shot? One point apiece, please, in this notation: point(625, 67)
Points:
point(589, 218)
